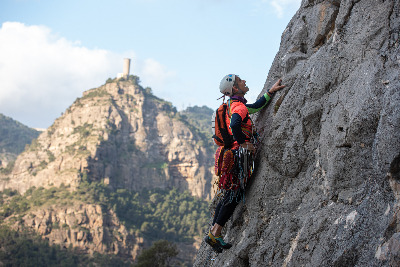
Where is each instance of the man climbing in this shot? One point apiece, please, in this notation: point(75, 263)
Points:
point(241, 127)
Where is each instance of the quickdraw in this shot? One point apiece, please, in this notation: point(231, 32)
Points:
point(234, 169)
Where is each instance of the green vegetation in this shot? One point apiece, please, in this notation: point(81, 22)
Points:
point(148, 90)
point(78, 148)
point(166, 106)
point(34, 146)
point(156, 165)
point(198, 120)
point(83, 130)
point(25, 248)
point(95, 93)
point(157, 214)
point(14, 135)
point(200, 116)
point(51, 130)
point(50, 156)
point(8, 169)
point(133, 78)
point(161, 214)
point(161, 253)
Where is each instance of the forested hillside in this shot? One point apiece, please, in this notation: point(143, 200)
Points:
point(14, 136)
point(201, 117)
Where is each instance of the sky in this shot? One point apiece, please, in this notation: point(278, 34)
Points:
point(51, 51)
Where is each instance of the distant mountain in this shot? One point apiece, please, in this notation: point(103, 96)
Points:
point(122, 134)
point(14, 136)
point(118, 170)
point(201, 117)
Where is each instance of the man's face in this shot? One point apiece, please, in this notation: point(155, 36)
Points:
point(241, 84)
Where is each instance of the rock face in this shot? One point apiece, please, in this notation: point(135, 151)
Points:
point(121, 135)
point(85, 226)
point(327, 186)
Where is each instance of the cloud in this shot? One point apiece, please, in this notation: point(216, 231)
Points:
point(41, 73)
point(154, 73)
point(280, 6)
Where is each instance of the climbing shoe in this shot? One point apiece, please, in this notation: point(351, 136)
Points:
point(222, 243)
point(210, 239)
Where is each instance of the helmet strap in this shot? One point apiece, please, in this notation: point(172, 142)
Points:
point(223, 100)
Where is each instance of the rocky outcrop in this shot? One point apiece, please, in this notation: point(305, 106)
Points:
point(326, 189)
point(87, 227)
point(122, 135)
point(91, 228)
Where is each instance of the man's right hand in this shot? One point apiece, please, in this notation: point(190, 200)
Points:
point(276, 87)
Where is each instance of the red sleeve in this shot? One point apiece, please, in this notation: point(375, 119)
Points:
point(240, 109)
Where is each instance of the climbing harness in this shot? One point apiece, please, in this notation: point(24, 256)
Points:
point(234, 167)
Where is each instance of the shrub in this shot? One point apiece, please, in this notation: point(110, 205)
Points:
point(161, 253)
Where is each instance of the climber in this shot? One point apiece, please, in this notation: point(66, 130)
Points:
point(242, 129)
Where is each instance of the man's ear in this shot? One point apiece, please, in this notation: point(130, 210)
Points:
point(234, 89)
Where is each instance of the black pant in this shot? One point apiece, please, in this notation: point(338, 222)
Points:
point(226, 206)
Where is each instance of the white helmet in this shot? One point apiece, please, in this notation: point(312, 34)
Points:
point(226, 84)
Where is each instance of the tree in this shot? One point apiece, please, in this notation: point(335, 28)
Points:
point(160, 254)
point(148, 90)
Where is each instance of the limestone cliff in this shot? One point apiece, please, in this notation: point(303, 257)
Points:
point(327, 185)
point(85, 226)
point(121, 135)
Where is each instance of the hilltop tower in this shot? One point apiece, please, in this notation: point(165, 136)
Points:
point(126, 69)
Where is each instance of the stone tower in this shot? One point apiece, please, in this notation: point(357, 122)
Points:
point(127, 65)
point(126, 69)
